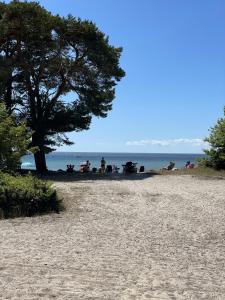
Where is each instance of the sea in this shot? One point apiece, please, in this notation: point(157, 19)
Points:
point(151, 161)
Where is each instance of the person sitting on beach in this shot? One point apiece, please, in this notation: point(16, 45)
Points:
point(109, 169)
point(115, 169)
point(170, 166)
point(129, 167)
point(187, 164)
point(69, 168)
point(190, 165)
point(103, 162)
point(85, 166)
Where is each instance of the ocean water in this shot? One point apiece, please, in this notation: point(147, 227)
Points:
point(59, 160)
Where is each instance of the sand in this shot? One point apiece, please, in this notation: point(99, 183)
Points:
point(161, 237)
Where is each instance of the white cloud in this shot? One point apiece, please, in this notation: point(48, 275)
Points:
point(169, 142)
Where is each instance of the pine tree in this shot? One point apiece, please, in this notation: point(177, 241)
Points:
point(44, 58)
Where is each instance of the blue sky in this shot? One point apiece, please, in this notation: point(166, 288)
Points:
point(174, 58)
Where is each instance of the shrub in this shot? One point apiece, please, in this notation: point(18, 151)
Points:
point(14, 141)
point(26, 196)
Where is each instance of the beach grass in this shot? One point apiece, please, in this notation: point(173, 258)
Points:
point(199, 171)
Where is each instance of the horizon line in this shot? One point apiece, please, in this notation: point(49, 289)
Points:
point(127, 152)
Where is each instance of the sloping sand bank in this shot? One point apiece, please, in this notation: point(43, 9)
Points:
point(158, 238)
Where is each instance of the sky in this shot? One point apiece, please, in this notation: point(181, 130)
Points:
point(174, 59)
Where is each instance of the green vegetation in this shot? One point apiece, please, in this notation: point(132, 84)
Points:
point(199, 171)
point(26, 196)
point(216, 153)
point(43, 58)
point(14, 141)
point(20, 195)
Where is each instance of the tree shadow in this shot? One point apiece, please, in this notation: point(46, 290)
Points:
point(77, 176)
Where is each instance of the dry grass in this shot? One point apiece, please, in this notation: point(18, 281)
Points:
point(200, 172)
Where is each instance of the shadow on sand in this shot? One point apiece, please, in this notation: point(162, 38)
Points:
point(77, 176)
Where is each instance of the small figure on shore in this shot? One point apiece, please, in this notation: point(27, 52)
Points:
point(85, 167)
point(129, 167)
point(170, 166)
point(70, 168)
point(88, 164)
point(115, 169)
point(109, 169)
point(189, 165)
point(103, 163)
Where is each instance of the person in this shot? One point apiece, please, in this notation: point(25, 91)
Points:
point(170, 166)
point(187, 164)
point(85, 166)
point(109, 169)
point(88, 165)
point(70, 168)
point(103, 162)
point(191, 166)
point(115, 169)
point(129, 167)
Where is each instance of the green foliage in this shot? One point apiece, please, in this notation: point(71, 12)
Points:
point(26, 196)
point(216, 154)
point(43, 58)
point(14, 141)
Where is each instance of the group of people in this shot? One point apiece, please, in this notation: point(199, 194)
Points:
point(85, 167)
point(129, 167)
point(171, 166)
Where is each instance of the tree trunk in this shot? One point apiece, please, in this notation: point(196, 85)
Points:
point(40, 161)
point(39, 156)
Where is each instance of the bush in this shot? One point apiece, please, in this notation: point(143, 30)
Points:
point(26, 196)
point(14, 141)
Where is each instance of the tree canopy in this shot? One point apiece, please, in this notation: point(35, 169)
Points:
point(46, 60)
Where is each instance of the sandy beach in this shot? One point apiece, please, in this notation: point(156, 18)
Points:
point(161, 237)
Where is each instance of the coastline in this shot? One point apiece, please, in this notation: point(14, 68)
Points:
point(57, 160)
